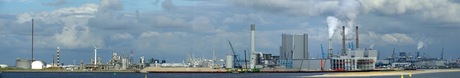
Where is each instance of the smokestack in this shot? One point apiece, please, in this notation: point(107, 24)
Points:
point(343, 41)
point(33, 40)
point(252, 61)
point(330, 48)
point(357, 38)
point(442, 54)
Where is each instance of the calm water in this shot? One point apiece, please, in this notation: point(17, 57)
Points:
point(199, 75)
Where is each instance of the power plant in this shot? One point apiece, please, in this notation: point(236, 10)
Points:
point(294, 56)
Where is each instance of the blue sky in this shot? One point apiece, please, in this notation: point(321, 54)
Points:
point(169, 29)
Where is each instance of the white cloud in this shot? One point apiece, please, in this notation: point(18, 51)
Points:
point(387, 39)
point(236, 18)
point(445, 10)
point(122, 36)
point(293, 7)
point(149, 34)
point(75, 32)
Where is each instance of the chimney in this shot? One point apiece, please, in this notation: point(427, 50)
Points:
point(330, 49)
point(343, 42)
point(252, 61)
point(357, 38)
point(33, 40)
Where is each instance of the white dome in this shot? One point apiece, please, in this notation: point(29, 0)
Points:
point(38, 65)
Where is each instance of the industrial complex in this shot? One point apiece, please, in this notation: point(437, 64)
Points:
point(293, 56)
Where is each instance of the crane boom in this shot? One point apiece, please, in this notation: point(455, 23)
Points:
point(235, 60)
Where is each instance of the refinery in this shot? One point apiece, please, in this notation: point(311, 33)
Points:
point(294, 56)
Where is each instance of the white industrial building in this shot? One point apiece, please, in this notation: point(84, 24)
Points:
point(38, 65)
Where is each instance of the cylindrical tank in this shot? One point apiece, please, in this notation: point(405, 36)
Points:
point(3, 66)
point(229, 62)
point(23, 63)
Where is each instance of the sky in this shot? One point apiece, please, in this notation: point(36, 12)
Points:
point(170, 29)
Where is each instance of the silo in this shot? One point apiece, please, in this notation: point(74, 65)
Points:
point(23, 63)
point(229, 61)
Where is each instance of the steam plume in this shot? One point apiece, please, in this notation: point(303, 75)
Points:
point(420, 45)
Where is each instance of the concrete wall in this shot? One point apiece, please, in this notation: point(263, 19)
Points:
point(310, 64)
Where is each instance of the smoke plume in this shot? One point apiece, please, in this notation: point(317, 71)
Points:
point(345, 16)
point(420, 45)
point(332, 24)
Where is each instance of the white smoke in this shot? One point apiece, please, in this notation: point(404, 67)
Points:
point(371, 46)
point(332, 24)
point(420, 45)
point(345, 16)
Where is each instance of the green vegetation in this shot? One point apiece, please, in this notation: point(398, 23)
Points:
point(3, 69)
point(53, 68)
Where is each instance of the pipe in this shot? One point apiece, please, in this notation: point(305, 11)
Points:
point(343, 42)
point(357, 38)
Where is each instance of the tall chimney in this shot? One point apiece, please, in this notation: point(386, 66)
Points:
point(33, 40)
point(252, 61)
point(330, 48)
point(357, 38)
point(343, 42)
point(442, 54)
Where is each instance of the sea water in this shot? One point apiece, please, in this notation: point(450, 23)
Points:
point(197, 75)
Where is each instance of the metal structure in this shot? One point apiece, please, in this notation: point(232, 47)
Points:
point(235, 60)
point(58, 58)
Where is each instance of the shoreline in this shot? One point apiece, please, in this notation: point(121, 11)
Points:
point(67, 71)
point(384, 73)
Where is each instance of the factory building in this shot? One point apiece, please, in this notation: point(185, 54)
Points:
point(353, 63)
point(23, 63)
point(353, 59)
point(294, 54)
point(294, 47)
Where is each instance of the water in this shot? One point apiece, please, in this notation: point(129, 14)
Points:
point(199, 75)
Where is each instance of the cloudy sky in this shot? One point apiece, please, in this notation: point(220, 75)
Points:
point(169, 29)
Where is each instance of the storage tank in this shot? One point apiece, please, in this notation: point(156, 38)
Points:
point(229, 61)
point(38, 65)
point(3, 66)
point(23, 63)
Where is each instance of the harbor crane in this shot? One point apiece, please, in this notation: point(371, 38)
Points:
point(236, 61)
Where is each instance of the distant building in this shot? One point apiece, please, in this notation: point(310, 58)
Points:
point(294, 47)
